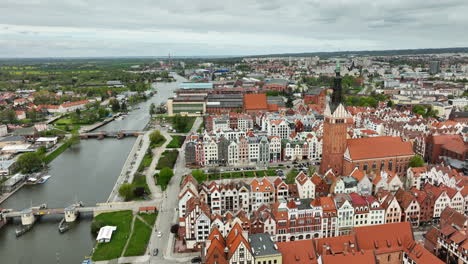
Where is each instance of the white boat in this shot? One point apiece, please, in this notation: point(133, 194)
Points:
point(44, 179)
point(32, 179)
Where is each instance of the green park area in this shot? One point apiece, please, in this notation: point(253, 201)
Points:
point(176, 142)
point(113, 249)
point(200, 176)
point(168, 159)
point(135, 241)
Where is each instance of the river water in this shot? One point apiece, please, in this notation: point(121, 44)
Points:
point(86, 172)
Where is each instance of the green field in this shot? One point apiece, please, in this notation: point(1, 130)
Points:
point(176, 142)
point(113, 249)
point(139, 240)
point(149, 218)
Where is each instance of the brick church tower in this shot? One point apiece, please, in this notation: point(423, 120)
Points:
point(335, 124)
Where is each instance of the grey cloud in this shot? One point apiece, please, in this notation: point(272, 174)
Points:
point(378, 24)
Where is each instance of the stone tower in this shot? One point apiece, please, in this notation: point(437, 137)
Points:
point(335, 124)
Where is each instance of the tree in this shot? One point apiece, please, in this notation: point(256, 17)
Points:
point(156, 137)
point(123, 107)
point(199, 175)
point(174, 229)
point(416, 161)
point(165, 176)
point(152, 110)
point(450, 96)
point(29, 162)
point(390, 103)
point(126, 190)
point(73, 140)
point(115, 106)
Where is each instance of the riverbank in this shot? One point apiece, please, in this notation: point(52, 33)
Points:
point(86, 173)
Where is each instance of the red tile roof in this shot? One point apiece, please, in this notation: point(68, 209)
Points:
point(378, 147)
point(360, 257)
point(298, 252)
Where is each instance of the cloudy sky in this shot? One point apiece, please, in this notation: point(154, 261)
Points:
point(74, 28)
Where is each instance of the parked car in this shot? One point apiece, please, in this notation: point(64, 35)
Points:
point(196, 260)
point(159, 234)
point(155, 252)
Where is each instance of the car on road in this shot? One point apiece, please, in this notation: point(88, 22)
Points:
point(155, 252)
point(196, 260)
point(159, 234)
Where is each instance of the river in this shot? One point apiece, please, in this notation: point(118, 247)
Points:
point(86, 172)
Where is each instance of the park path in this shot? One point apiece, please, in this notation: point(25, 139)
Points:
point(157, 152)
point(129, 236)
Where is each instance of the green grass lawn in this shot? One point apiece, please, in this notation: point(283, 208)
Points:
point(54, 154)
point(213, 177)
point(168, 159)
point(249, 174)
point(226, 175)
point(260, 173)
point(270, 172)
point(139, 240)
point(113, 249)
point(291, 176)
point(237, 174)
point(146, 161)
point(176, 142)
point(149, 218)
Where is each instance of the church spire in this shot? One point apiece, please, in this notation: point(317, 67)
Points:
point(337, 90)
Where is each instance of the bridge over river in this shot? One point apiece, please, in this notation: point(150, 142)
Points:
point(116, 134)
point(71, 212)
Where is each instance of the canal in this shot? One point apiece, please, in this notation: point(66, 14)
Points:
point(86, 172)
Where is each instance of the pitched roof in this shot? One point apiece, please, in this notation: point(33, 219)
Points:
point(298, 252)
point(335, 245)
point(378, 147)
point(384, 238)
point(360, 257)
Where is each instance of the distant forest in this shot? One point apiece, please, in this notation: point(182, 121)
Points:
point(367, 53)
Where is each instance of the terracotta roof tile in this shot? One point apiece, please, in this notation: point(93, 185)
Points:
point(378, 147)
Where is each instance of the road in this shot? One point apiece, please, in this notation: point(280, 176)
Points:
point(167, 213)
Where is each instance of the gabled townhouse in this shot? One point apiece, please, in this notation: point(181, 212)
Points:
point(233, 154)
point(197, 222)
point(345, 213)
point(321, 186)
point(387, 180)
point(392, 209)
point(262, 191)
point(214, 198)
point(410, 207)
point(426, 205)
point(361, 210)
point(229, 198)
point(275, 148)
point(364, 184)
point(282, 189)
point(329, 217)
point(234, 249)
point(376, 211)
point(305, 186)
point(456, 198)
point(441, 199)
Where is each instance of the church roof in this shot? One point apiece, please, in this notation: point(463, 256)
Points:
point(378, 147)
